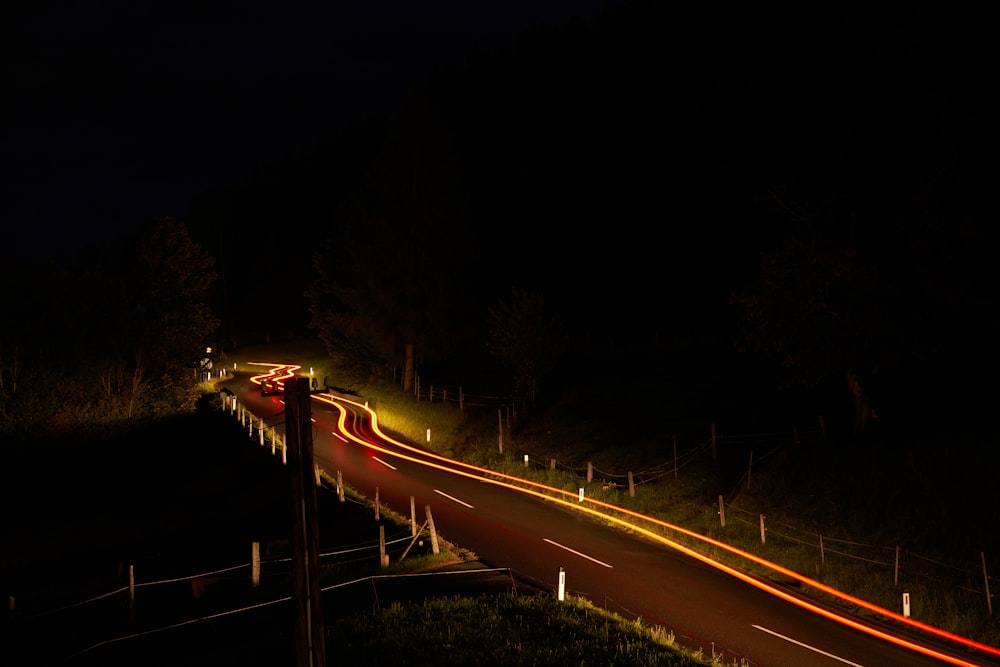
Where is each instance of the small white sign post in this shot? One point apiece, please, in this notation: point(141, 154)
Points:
point(906, 604)
point(562, 584)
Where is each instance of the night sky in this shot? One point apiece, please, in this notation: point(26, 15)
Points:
point(636, 169)
point(118, 112)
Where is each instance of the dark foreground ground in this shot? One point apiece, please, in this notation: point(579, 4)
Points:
point(180, 506)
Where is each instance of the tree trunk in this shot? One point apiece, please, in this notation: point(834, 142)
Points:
point(860, 402)
point(408, 369)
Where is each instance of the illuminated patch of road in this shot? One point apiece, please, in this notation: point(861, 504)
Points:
point(811, 648)
point(391, 467)
point(454, 499)
point(581, 555)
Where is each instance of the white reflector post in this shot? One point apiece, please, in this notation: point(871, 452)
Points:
point(581, 494)
point(906, 604)
point(562, 584)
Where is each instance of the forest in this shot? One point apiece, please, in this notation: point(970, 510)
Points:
point(805, 209)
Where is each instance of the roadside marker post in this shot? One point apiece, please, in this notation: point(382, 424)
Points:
point(562, 584)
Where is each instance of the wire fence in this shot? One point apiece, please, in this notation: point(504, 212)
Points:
point(968, 584)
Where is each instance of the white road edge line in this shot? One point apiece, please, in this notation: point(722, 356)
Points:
point(337, 435)
point(574, 551)
point(811, 648)
point(454, 498)
point(384, 463)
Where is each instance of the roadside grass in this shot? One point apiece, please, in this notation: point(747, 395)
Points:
point(505, 630)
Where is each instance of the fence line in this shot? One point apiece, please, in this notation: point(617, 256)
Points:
point(267, 603)
point(905, 561)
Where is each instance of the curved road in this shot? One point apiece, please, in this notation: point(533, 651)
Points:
point(623, 571)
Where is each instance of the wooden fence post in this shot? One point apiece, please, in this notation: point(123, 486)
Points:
point(131, 594)
point(763, 538)
point(675, 457)
point(255, 564)
point(434, 536)
point(383, 556)
point(500, 430)
point(552, 464)
point(822, 552)
point(631, 485)
point(590, 472)
point(722, 511)
point(895, 570)
point(378, 516)
point(413, 517)
point(986, 582)
point(340, 487)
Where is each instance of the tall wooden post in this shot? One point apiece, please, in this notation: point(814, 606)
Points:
point(675, 457)
point(500, 430)
point(310, 642)
point(986, 581)
point(255, 564)
point(131, 594)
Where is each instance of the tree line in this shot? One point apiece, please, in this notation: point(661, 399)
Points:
point(106, 341)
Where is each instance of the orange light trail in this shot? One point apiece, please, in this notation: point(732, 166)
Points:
point(274, 375)
point(489, 476)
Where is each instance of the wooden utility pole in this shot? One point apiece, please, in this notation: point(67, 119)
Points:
point(310, 649)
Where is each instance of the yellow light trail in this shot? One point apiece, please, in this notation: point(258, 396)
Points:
point(489, 476)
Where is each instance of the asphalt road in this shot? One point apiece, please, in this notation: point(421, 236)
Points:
point(626, 573)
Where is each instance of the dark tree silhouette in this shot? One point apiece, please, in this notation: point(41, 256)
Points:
point(114, 338)
point(527, 339)
point(385, 284)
